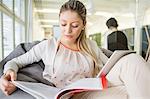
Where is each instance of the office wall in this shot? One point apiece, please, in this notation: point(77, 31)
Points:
point(146, 20)
point(38, 32)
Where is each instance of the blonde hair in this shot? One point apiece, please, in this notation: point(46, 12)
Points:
point(82, 43)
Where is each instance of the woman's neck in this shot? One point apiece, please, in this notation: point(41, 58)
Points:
point(71, 45)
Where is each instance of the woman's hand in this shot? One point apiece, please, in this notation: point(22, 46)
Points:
point(6, 85)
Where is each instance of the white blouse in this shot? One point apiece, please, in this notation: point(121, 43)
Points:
point(62, 65)
point(73, 67)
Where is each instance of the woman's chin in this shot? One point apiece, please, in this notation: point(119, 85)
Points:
point(69, 40)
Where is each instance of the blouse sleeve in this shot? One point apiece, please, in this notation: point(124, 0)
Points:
point(33, 55)
point(102, 58)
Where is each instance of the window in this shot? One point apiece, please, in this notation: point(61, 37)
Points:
point(8, 3)
point(20, 8)
point(12, 25)
point(19, 28)
point(7, 34)
point(19, 33)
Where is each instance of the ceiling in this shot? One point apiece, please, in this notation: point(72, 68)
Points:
point(96, 9)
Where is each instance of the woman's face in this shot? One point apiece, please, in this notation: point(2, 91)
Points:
point(71, 26)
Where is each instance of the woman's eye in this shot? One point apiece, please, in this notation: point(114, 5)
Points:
point(63, 24)
point(74, 26)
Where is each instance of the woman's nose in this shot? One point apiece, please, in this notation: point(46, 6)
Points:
point(68, 29)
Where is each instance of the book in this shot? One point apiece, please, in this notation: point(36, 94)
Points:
point(42, 91)
point(112, 61)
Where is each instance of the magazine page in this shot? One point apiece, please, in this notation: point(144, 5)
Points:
point(66, 94)
point(85, 84)
point(112, 60)
point(37, 90)
point(42, 91)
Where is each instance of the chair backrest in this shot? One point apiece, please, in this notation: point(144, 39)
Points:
point(117, 41)
point(108, 53)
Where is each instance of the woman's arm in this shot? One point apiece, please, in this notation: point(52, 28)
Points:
point(33, 55)
point(102, 56)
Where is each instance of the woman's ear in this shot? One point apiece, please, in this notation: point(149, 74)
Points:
point(83, 28)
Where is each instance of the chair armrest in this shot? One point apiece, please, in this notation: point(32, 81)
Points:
point(108, 53)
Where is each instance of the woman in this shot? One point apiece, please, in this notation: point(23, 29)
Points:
point(73, 57)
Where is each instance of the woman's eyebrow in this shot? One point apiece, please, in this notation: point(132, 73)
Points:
point(71, 22)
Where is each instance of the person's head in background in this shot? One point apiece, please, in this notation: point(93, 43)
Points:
point(72, 19)
point(112, 24)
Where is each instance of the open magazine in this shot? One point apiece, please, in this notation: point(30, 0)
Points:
point(42, 91)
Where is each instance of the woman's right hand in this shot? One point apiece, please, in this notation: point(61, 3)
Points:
point(6, 85)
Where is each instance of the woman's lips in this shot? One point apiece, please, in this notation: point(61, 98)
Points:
point(69, 36)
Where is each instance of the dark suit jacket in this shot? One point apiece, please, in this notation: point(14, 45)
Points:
point(117, 41)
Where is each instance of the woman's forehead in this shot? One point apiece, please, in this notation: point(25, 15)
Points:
point(67, 15)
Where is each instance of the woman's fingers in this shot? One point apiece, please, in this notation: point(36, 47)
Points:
point(6, 85)
point(5, 82)
point(10, 90)
point(13, 76)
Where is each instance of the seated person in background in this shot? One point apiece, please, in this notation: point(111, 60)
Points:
point(73, 57)
point(115, 39)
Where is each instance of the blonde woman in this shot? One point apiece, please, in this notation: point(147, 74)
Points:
point(73, 57)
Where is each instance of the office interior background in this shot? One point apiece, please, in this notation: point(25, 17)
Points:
point(30, 20)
